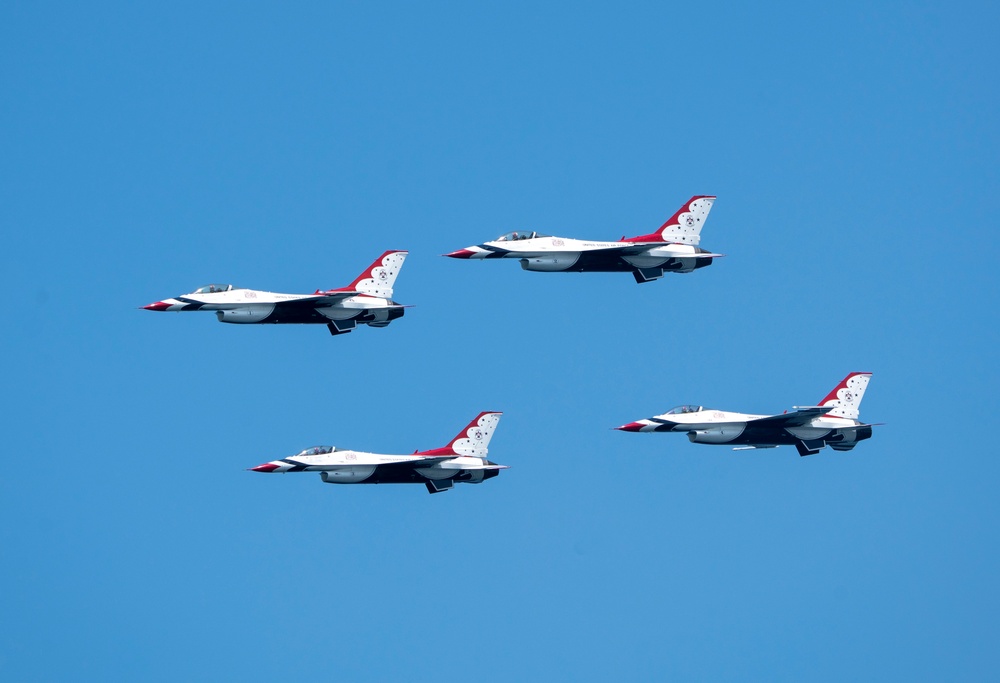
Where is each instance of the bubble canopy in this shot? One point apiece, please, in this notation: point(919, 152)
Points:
point(681, 410)
point(519, 235)
point(317, 450)
point(212, 289)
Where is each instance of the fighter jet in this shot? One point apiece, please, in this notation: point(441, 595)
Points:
point(366, 301)
point(673, 248)
point(462, 460)
point(834, 423)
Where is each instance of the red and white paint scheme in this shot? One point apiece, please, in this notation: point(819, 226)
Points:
point(834, 423)
point(462, 460)
point(366, 301)
point(672, 248)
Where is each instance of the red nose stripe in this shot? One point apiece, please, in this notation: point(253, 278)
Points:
point(157, 306)
point(461, 253)
point(631, 427)
point(266, 467)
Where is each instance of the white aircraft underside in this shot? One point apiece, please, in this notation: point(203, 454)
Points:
point(367, 301)
point(462, 460)
point(672, 248)
point(833, 423)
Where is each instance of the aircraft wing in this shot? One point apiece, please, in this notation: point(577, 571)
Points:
point(430, 460)
point(637, 249)
point(194, 304)
point(630, 250)
point(417, 461)
point(320, 299)
point(331, 298)
point(801, 416)
point(412, 461)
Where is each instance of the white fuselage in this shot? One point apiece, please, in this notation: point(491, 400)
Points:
point(366, 301)
point(646, 260)
point(241, 298)
point(344, 458)
point(340, 310)
point(673, 248)
point(463, 460)
point(358, 467)
point(650, 254)
point(758, 431)
point(686, 422)
point(834, 423)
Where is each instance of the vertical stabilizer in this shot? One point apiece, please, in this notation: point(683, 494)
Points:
point(684, 227)
point(845, 399)
point(378, 278)
point(473, 440)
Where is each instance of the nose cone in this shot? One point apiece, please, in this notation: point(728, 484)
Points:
point(461, 253)
point(266, 467)
point(631, 427)
point(157, 306)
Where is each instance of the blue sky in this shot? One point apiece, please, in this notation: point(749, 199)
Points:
point(148, 151)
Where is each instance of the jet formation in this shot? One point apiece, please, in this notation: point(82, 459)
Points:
point(834, 423)
point(673, 248)
point(462, 460)
point(366, 301)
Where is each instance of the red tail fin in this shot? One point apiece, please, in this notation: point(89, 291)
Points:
point(685, 225)
point(845, 399)
point(378, 278)
point(474, 439)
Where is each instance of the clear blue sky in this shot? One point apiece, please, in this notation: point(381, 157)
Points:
point(146, 151)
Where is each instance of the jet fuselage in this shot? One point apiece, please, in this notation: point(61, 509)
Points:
point(358, 467)
point(742, 429)
point(834, 422)
point(367, 300)
point(462, 460)
point(564, 254)
point(672, 248)
point(244, 306)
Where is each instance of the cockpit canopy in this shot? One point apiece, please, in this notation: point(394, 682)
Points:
point(212, 289)
point(318, 450)
point(519, 235)
point(681, 410)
